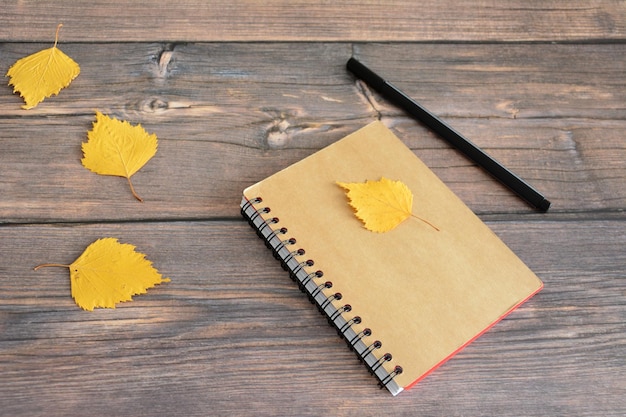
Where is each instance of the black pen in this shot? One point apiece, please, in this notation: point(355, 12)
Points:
point(457, 140)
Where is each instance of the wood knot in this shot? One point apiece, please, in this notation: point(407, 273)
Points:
point(278, 135)
point(154, 105)
point(163, 60)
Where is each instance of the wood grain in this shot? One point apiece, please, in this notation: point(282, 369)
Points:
point(238, 90)
point(238, 339)
point(229, 115)
point(280, 20)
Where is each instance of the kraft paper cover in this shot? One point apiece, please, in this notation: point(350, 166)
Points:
point(424, 293)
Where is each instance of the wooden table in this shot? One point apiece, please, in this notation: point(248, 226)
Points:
point(236, 90)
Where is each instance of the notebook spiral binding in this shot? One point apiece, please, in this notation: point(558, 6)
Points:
point(277, 240)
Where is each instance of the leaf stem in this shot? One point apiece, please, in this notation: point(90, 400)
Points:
point(47, 265)
point(426, 221)
point(56, 37)
point(132, 190)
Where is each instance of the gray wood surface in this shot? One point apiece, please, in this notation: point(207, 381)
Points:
point(238, 90)
point(300, 20)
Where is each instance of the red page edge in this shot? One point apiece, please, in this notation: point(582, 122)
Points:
point(473, 338)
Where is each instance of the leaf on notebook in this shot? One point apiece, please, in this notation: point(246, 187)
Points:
point(115, 147)
point(109, 272)
point(381, 205)
point(42, 74)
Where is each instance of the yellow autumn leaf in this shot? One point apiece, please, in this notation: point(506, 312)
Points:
point(42, 74)
point(115, 147)
point(109, 272)
point(381, 205)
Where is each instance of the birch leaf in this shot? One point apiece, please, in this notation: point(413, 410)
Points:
point(42, 74)
point(381, 205)
point(115, 147)
point(109, 272)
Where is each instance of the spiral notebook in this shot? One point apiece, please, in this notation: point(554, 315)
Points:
point(406, 300)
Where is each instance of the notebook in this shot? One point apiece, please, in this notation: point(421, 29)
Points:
point(405, 300)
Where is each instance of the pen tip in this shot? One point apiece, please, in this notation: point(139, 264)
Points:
point(544, 205)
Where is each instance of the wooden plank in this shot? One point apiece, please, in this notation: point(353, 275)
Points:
point(580, 168)
point(228, 115)
point(231, 334)
point(504, 81)
point(279, 20)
